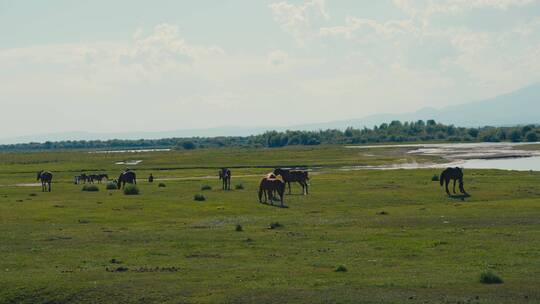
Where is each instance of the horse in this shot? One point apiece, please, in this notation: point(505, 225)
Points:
point(99, 177)
point(46, 179)
point(151, 178)
point(83, 177)
point(455, 174)
point(225, 177)
point(270, 185)
point(299, 176)
point(92, 177)
point(126, 177)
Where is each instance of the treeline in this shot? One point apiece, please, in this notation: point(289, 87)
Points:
point(396, 132)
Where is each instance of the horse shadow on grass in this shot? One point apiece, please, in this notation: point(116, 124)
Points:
point(460, 197)
point(276, 204)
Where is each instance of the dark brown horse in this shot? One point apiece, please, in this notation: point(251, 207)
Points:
point(268, 187)
point(126, 177)
point(225, 177)
point(46, 179)
point(99, 177)
point(299, 176)
point(455, 174)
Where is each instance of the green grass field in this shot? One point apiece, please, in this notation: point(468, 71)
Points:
point(398, 235)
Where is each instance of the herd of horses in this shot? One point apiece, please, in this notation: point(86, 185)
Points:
point(272, 186)
point(90, 178)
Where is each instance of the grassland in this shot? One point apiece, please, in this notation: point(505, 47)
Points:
point(399, 237)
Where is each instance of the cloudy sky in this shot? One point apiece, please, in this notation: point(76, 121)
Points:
point(125, 65)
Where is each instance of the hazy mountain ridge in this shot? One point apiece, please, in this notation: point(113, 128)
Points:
point(515, 108)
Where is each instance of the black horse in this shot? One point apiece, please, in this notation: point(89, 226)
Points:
point(268, 187)
point(299, 176)
point(46, 180)
point(225, 177)
point(455, 174)
point(126, 177)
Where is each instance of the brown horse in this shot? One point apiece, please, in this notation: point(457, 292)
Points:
point(270, 186)
point(46, 180)
point(299, 176)
point(126, 177)
point(225, 177)
point(455, 174)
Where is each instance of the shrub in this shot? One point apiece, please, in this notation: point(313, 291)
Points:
point(435, 178)
point(199, 197)
point(206, 187)
point(112, 186)
point(341, 268)
point(488, 277)
point(32, 194)
point(239, 228)
point(239, 186)
point(275, 225)
point(131, 189)
point(162, 185)
point(90, 188)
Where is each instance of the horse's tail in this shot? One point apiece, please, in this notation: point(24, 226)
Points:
point(441, 179)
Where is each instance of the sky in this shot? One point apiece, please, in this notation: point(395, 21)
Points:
point(129, 65)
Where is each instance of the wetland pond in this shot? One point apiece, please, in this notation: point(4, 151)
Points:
point(503, 156)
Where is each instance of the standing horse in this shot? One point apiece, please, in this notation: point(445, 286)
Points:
point(99, 177)
point(455, 174)
point(83, 177)
point(225, 177)
point(299, 176)
point(268, 187)
point(46, 179)
point(126, 177)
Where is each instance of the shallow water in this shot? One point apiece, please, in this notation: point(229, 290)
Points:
point(503, 156)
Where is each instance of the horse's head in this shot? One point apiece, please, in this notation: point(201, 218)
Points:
point(39, 175)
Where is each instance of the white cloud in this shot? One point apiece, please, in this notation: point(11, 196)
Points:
point(298, 20)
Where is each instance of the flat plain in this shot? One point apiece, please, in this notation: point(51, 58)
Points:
point(396, 235)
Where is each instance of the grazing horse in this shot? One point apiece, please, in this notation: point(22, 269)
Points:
point(225, 177)
point(46, 179)
point(299, 176)
point(268, 187)
point(455, 174)
point(126, 177)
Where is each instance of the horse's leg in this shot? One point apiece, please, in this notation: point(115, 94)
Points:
point(446, 182)
point(289, 183)
point(454, 186)
point(50, 186)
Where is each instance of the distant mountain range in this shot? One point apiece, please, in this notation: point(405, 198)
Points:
point(516, 108)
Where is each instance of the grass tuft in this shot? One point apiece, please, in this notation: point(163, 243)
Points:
point(239, 186)
point(162, 185)
point(341, 268)
point(112, 186)
point(206, 187)
point(90, 188)
point(275, 225)
point(199, 197)
point(131, 189)
point(239, 228)
point(488, 277)
point(435, 178)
